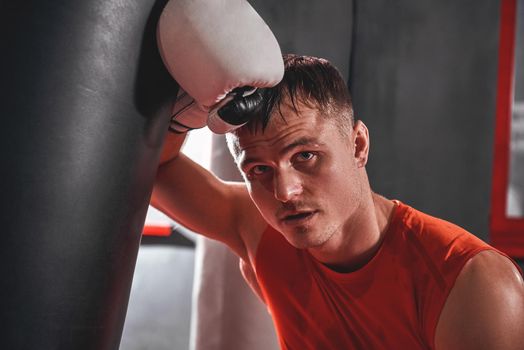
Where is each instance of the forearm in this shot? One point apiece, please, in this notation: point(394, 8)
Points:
point(167, 176)
point(172, 145)
point(170, 155)
point(183, 189)
point(197, 199)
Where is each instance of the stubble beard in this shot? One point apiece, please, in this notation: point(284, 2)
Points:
point(305, 237)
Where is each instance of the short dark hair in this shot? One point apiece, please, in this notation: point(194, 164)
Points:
point(312, 81)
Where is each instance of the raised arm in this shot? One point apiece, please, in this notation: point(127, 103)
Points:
point(219, 52)
point(199, 200)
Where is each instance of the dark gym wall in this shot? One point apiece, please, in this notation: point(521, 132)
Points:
point(315, 27)
point(423, 78)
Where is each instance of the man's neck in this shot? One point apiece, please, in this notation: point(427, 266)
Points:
point(359, 240)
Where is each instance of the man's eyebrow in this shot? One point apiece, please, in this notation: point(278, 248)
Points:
point(303, 141)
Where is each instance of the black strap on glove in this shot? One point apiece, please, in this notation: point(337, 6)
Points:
point(238, 111)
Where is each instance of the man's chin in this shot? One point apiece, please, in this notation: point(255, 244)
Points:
point(303, 238)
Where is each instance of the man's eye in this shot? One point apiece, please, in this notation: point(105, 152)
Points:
point(259, 170)
point(303, 156)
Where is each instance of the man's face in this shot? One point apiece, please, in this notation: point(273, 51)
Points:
point(303, 175)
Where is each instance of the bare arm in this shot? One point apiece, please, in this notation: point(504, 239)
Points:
point(485, 309)
point(200, 201)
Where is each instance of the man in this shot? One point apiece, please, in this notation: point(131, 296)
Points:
point(339, 266)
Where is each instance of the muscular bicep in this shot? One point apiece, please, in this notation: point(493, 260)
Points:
point(485, 309)
point(197, 199)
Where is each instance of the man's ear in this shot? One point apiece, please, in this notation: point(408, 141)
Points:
point(361, 143)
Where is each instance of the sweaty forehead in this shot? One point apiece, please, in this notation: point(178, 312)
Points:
point(288, 125)
point(280, 131)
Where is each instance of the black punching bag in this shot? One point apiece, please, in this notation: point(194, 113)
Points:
point(84, 110)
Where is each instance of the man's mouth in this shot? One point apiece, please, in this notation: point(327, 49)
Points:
point(296, 217)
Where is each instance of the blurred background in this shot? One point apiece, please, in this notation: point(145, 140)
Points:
point(424, 77)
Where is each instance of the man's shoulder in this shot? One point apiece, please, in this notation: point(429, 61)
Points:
point(491, 273)
point(421, 221)
point(471, 284)
point(485, 308)
point(441, 248)
point(438, 235)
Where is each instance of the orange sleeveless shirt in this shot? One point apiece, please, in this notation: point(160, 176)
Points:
point(393, 302)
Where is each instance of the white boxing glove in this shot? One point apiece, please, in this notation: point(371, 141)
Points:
point(186, 114)
point(218, 51)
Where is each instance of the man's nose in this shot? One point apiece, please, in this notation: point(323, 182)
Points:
point(287, 185)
